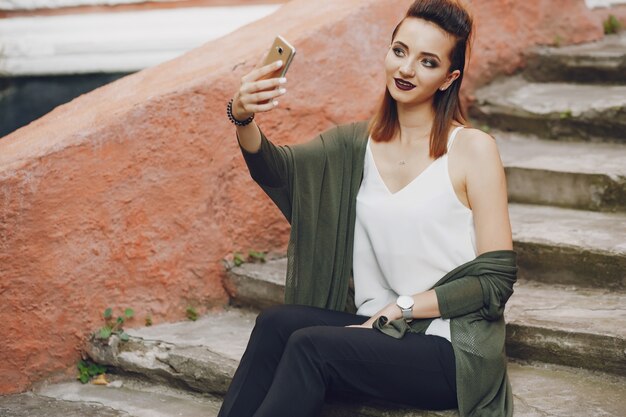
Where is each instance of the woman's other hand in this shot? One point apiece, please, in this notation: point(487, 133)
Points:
point(257, 95)
point(390, 311)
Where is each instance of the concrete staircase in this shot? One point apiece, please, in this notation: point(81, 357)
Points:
point(561, 131)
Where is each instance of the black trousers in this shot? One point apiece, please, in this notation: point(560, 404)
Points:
point(298, 356)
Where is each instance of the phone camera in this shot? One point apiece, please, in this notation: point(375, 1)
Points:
point(280, 50)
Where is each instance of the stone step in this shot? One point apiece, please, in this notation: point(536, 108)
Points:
point(204, 354)
point(575, 332)
point(581, 175)
point(567, 326)
point(596, 62)
point(134, 398)
point(257, 285)
point(557, 111)
point(570, 247)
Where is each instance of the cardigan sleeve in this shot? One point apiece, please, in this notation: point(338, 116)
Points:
point(486, 293)
point(459, 297)
point(270, 167)
point(274, 167)
point(267, 166)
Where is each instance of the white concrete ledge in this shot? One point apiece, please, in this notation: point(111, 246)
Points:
point(113, 42)
point(56, 4)
point(594, 4)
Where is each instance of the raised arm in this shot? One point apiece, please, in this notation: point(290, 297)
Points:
point(273, 166)
point(268, 164)
point(255, 96)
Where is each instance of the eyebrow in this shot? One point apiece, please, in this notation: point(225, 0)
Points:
point(423, 53)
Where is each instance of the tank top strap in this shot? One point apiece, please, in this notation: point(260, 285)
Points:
point(453, 136)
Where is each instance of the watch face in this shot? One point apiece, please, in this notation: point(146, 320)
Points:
point(404, 301)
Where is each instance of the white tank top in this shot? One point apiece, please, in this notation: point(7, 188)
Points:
point(406, 241)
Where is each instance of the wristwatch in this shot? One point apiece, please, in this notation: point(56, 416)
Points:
point(405, 303)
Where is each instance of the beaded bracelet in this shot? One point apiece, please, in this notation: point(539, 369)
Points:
point(229, 113)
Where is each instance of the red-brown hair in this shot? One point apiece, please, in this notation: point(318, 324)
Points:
point(454, 18)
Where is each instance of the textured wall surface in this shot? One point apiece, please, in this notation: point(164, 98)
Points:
point(132, 195)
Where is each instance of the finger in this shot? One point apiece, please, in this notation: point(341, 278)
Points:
point(255, 86)
point(260, 72)
point(258, 108)
point(265, 95)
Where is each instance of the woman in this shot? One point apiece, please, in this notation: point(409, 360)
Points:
point(421, 225)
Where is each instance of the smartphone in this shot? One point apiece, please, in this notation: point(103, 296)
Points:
point(281, 49)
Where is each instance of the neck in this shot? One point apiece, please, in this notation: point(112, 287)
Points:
point(416, 122)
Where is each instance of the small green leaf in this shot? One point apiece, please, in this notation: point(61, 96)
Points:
point(257, 256)
point(95, 369)
point(82, 366)
point(192, 314)
point(108, 313)
point(611, 25)
point(129, 312)
point(238, 259)
point(87, 369)
point(104, 333)
point(124, 336)
point(120, 320)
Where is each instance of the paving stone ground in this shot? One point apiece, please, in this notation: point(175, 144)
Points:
point(135, 398)
point(32, 405)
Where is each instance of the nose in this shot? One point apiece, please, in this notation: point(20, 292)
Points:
point(407, 70)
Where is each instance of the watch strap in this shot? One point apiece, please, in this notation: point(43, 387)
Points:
point(407, 314)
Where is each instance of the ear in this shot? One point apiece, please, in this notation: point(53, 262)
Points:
point(450, 79)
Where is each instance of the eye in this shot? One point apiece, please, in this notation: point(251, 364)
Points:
point(430, 63)
point(398, 51)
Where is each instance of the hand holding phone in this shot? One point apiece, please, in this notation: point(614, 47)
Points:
point(262, 85)
point(280, 50)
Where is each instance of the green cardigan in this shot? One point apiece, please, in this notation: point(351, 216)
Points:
point(314, 184)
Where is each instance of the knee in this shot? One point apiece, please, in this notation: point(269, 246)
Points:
point(309, 339)
point(275, 317)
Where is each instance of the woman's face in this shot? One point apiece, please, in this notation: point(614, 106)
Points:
point(419, 54)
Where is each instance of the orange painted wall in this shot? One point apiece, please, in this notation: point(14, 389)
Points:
point(132, 195)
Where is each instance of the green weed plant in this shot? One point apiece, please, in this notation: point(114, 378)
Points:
point(87, 369)
point(253, 257)
point(114, 326)
point(611, 25)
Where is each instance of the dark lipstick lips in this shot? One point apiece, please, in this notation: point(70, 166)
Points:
point(403, 85)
